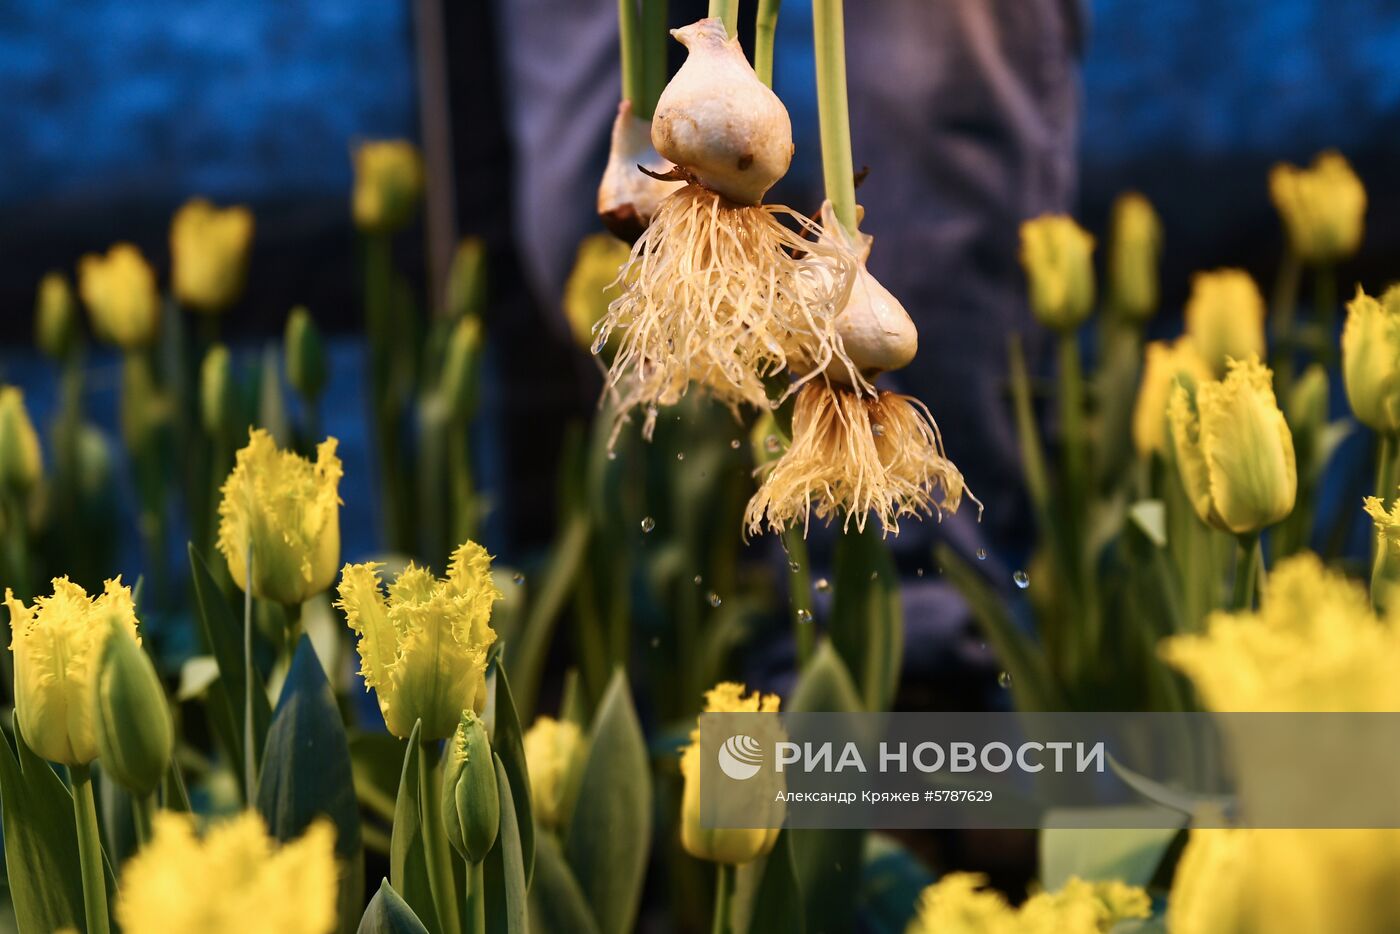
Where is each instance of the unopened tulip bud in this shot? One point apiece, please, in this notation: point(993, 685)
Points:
point(1371, 359)
point(21, 461)
point(1234, 450)
point(1164, 364)
point(471, 802)
point(1323, 207)
point(1225, 317)
point(55, 316)
point(119, 289)
point(305, 355)
point(1135, 247)
point(135, 735)
point(388, 185)
point(1306, 408)
point(459, 369)
point(216, 391)
point(466, 280)
point(1057, 256)
point(552, 748)
point(592, 284)
point(209, 254)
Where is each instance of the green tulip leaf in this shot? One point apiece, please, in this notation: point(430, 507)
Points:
point(388, 913)
point(557, 904)
point(777, 903)
point(507, 890)
point(507, 739)
point(867, 621)
point(408, 861)
point(41, 842)
point(1102, 854)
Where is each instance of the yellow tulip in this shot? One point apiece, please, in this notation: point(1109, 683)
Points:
point(288, 509)
point(209, 254)
point(1385, 571)
point(55, 316)
point(1323, 207)
point(1225, 317)
point(1163, 364)
point(1371, 359)
point(551, 749)
point(593, 284)
point(236, 879)
point(733, 846)
point(1057, 256)
point(1234, 450)
point(961, 903)
point(1134, 250)
point(388, 185)
point(21, 459)
point(57, 644)
point(119, 290)
point(423, 648)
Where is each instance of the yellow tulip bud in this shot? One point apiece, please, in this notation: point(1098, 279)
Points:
point(1057, 255)
point(305, 358)
point(288, 510)
point(57, 644)
point(1371, 359)
point(1234, 450)
point(55, 316)
point(119, 290)
point(1163, 364)
point(552, 750)
point(135, 736)
point(593, 284)
point(466, 280)
point(1134, 249)
point(423, 647)
point(21, 459)
point(237, 878)
point(1323, 207)
point(388, 185)
point(471, 802)
point(1306, 410)
point(733, 846)
point(1225, 317)
point(209, 254)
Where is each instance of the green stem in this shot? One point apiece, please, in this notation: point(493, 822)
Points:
point(724, 899)
point(1246, 567)
point(143, 809)
point(1325, 304)
point(630, 44)
point(728, 11)
point(1072, 411)
point(89, 850)
point(1285, 303)
point(765, 27)
point(838, 166)
point(476, 899)
point(435, 850)
point(801, 595)
point(1385, 468)
point(654, 71)
point(250, 759)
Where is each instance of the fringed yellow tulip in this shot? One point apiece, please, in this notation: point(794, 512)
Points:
point(1057, 255)
point(209, 253)
point(960, 903)
point(551, 749)
point(423, 648)
point(1371, 359)
point(1313, 645)
point(1225, 317)
point(1163, 364)
point(55, 316)
point(57, 644)
point(1134, 249)
point(1234, 450)
point(235, 879)
point(1323, 207)
point(592, 284)
point(721, 845)
point(21, 459)
point(288, 510)
point(119, 290)
point(388, 185)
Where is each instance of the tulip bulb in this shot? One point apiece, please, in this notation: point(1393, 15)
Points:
point(627, 196)
point(717, 121)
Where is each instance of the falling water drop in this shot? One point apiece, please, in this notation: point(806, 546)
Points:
point(823, 584)
point(698, 580)
point(981, 554)
point(919, 572)
point(1004, 679)
point(517, 578)
point(655, 642)
point(734, 444)
point(612, 455)
point(1022, 579)
point(715, 601)
point(648, 523)
point(877, 429)
point(680, 455)
point(804, 616)
point(771, 444)
point(794, 567)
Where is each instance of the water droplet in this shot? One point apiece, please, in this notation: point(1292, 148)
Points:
point(823, 584)
point(517, 578)
point(1022, 579)
point(1004, 679)
point(698, 580)
point(804, 616)
point(648, 524)
point(919, 572)
point(981, 554)
point(874, 575)
point(771, 444)
point(612, 455)
point(734, 444)
point(714, 599)
point(655, 642)
point(877, 429)
point(680, 455)
point(794, 567)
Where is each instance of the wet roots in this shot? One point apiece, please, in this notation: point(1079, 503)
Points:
point(857, 454)
point(712, 295)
